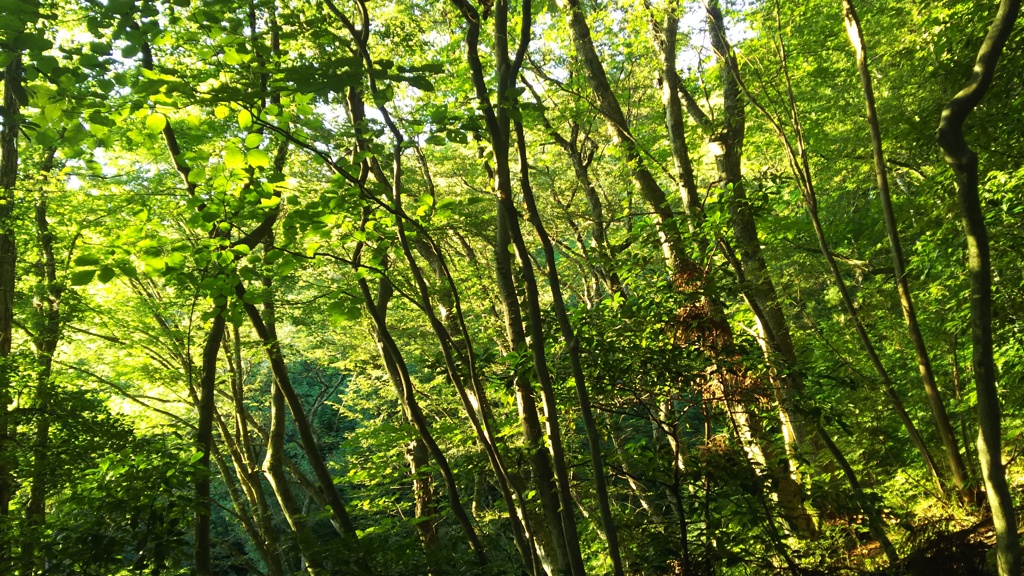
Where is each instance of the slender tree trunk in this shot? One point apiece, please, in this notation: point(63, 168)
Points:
point(671, 85)
point(244, 458)
point(249, 500)
point(677, 257)
point(798, 434)
point(473, 398)
point(964, 163)
point(247, 516)
point(576, 363)
point(942, 423)
point(801, 169)
point(396, 368)
point(875, 524)
point(340, 518)
point(686, 273)
point(8, 276)
point(204, 437)
point(476, 407)
point(47, 336)
point(416, 453)
point(239, 446)
point(749, 428)
point(273, 469)
point(550, 471)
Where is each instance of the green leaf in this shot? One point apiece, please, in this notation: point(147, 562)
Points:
point(82, 277)
point(233, 158)
point(87, 260)
point(106, 274)
point(253, 140)
point(343, 311)
point(244, 119)
point(175, 260)
point(259, 159)
point(130, 51)
point(155, 123)
point(231, 57)
point(196, 175)
point(221, 112)
point(420, 82)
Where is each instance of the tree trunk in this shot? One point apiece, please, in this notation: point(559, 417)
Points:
point(576, 363)
point(47, 336)
point(419, 448)
point(671, 86)
point(8, 276)
point(247, 515)
point(282, 381)
point(687, 275)
point(550, 471)
point(801, 169)
point(273, 469)
point(204, 438)
point(797, 433)
point(243, 457)
point(964, 163)
point(677, 257)
point(942, 423)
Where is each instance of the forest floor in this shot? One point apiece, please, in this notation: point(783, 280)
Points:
point(966, 552)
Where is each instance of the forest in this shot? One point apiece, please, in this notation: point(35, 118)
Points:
point(511, 287)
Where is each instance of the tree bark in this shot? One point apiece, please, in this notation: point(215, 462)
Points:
point(204, 437)
point(282, 381)
point(798, 434)
point(964, 163)
point(875, 524)
point(938, 407)
point(671, 86)
point(479, 414)
point(8, 277)
point(247, 470)
point(686, 273)
point(273, 470)
point(402, 380)
point(575, 361)
point(550, 470)
point(801, 169)
point(47, 335)
point(683, 268)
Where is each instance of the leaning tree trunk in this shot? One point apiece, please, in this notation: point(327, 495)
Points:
point(964, 163)
point(204, 437)
point(800, 166)
point(798, 434)
point(282, 381)
point(671, 85)
point(575, 360)
point(687, 274)
point(424, 444)
point(551, 471)
point(942, 423)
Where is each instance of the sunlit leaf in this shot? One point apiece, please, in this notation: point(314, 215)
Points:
point(259, 159)
point(155, 123)
point(233, 157)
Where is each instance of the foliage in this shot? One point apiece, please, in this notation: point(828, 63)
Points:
point(407, 302)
